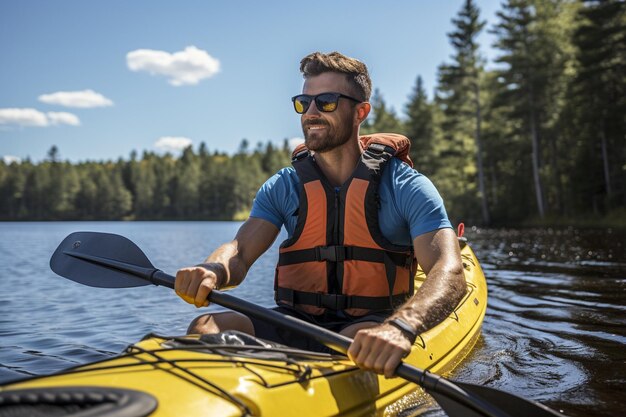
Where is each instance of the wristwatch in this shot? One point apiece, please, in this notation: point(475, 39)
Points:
point(407, 330)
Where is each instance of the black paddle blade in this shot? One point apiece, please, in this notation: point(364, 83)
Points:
point(101, 260)
point(516, 406)
point(469, 400)
point(511, 405)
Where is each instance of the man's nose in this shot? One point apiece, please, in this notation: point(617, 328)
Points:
point(312, 109)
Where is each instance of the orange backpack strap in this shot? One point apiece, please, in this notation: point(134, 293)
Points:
point(400, 143)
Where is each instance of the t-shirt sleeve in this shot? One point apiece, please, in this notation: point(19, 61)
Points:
point(419, 202)
point(270, 201)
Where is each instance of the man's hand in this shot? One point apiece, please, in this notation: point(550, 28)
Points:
point(194, 284)
point(379, 349)
point(228, 265)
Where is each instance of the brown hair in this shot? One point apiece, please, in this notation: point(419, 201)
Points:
point(355, 71)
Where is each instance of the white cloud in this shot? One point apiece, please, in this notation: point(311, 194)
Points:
point(33, 117)
point(23, 117)
point(294, 142)
point(186, 67)
point(63, 118)
point(9, 159)
point(172, 143)
point(83, 99)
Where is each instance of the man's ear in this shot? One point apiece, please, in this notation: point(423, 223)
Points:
point(363, 109)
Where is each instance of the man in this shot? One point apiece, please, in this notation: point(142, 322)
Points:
point(383, 319)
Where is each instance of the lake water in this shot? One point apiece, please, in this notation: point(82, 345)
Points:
point(555, 329)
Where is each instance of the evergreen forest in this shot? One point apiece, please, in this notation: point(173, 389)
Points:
point(538, 136)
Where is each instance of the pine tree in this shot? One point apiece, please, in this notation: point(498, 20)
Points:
point(420, 128)
point(598, 98)
point(185, 185)
point(459, 96)
point(536, 66)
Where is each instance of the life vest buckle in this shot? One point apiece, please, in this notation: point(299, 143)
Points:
point(333, 253)
point(334, 302)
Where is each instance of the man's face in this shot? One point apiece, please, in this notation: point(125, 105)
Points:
point(326, 131)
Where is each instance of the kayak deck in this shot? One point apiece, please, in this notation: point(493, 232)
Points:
point(195, 376)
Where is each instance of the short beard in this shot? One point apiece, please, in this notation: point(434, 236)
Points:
point(333, 138)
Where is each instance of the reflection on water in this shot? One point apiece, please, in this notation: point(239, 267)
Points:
point(555, 329)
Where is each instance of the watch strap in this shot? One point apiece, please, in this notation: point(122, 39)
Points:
point(407, 330)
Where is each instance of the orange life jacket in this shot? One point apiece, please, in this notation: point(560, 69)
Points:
point(338, 258)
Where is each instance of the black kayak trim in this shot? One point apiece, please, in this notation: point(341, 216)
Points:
point(76, 401)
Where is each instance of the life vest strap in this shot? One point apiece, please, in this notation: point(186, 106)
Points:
point(340, 253)
point(338, 302)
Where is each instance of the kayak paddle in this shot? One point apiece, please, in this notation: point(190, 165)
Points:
point(112, 261)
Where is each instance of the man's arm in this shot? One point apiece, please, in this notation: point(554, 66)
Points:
point(439, 256)
point(381, 348)
point(228, 265)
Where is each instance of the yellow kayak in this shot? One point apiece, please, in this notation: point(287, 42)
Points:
point(232, 374)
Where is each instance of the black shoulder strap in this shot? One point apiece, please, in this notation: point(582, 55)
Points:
point(304, 164)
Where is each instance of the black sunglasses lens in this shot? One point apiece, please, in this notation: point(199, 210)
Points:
point(327, 102)
point(301, 103)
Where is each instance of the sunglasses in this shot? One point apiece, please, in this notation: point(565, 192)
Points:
point(326, 102)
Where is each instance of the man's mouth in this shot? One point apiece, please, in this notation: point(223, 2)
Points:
point(314, 126)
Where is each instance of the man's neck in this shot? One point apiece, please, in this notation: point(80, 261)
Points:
point(339, 164)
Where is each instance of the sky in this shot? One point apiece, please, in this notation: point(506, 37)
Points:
point(101, 79)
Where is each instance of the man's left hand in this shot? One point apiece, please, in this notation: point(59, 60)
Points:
point(379, 349)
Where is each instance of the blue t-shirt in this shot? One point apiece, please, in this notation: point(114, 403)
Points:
point(410, 203)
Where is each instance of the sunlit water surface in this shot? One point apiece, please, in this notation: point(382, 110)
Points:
point(555, 329)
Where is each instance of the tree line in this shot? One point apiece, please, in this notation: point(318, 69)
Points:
point(197, 185)
point(538, 134)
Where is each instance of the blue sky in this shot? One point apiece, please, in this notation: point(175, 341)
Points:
point(100, 79)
